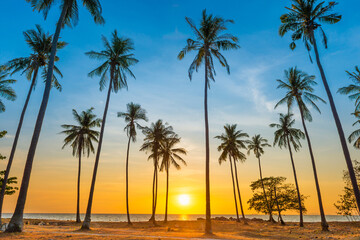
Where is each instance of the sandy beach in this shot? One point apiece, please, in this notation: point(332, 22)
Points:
point(255, 229)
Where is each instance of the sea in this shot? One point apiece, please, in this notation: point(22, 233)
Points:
point(181, 217)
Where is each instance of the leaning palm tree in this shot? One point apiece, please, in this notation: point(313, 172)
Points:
point(304, 18)
point(231, 143)
point(133, 115)
point(210, 40)
point(69, 16)
point(353, 90)
point(257, 145)
point(118, 58)
point(5, 89)
point(299, 90)
point(170, 154)
point(155, 135)
point(286, 136)
point(80, 138)
point(40, 44)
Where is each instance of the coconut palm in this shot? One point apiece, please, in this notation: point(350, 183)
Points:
point(118, 58)
point(287, 136)
point(155, 135)
point(299, 91)
point(40, 44)
point(132, 117)
point(231, 143)
point(80, 138)
point(353, 90)
point(303, 19)
point(210, 41)
point(5, 89)
point(355, 135)
point(170, 154)
point(257, 145)
point(69, 16)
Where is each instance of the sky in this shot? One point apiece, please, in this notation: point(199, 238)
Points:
point(246, 97)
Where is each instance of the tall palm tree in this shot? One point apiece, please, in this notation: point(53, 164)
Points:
point(118, 58)
point(170, 155)
point(231, 143)
point(132, 117)
point(80, 138)
point(355, 135)
point(353, 90)
point(155, 135)
point(286, 136)
point(299, 90)
point(5, 89)
point(210, 41)
point(257, 145)
point(69, 16)
point(40, 44)
point(303, 20)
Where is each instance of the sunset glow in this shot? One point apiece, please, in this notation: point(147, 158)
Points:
point(184, 199)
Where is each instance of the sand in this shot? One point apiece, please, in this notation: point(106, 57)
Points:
point(255, 229)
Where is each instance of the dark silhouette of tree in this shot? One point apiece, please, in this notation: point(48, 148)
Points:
point(5, 89)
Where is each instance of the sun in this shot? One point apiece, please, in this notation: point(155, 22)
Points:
point(184, 199)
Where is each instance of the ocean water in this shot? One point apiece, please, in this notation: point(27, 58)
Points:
point(182, 217)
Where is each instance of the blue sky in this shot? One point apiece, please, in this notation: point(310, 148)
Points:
point(162, 87)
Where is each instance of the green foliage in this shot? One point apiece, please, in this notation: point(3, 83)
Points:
point(5, 89)
point(346, 205)
point(80, 137)
point(170, 154)
point(10, 189)
point(299, 90)
point(353, 90)
point(257, 145)
point(286, 196)
point(209, 42)
point(2, 134)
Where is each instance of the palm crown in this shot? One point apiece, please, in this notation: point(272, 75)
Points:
point(132, 116)
point(353, 90)
point(306, 16)
point(210, 40)
point(5, 90)
point(257, 145)
point(40, 44)
point(231, 143)
point(285, 132)
point(171, 154)
point(299, 87)
point(118, 60)
point(80, 137)
point(72, 9)
point(356, 134)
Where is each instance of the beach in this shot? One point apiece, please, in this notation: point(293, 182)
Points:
point(222, 229)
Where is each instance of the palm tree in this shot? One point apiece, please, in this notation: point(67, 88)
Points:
point(118, 58)
point(299, 90)
point(210, 40)
point(355, 135)
point(353, 90)
point(287, 136)
point(80, 137)
point(40, 44)
point(134, 114)
point(69, 16)
point(231, 143)
point(257, 145)
point(155, 135)
point(304, 19)
point(5, 90)
point(170, 155)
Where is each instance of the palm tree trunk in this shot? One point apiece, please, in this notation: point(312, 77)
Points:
point(233, 183)
point(17, 134)
point(238, 190)
point(271, 219)
point(296, 183)
point(324, 224)
point(156, 193)
point(78, 220)
point(127, 183)
point(338, 126)
point(153, 195)
point(87, 220)
point(167, 192)
point(278, 208)
point(208, 228)
point(16, 222)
